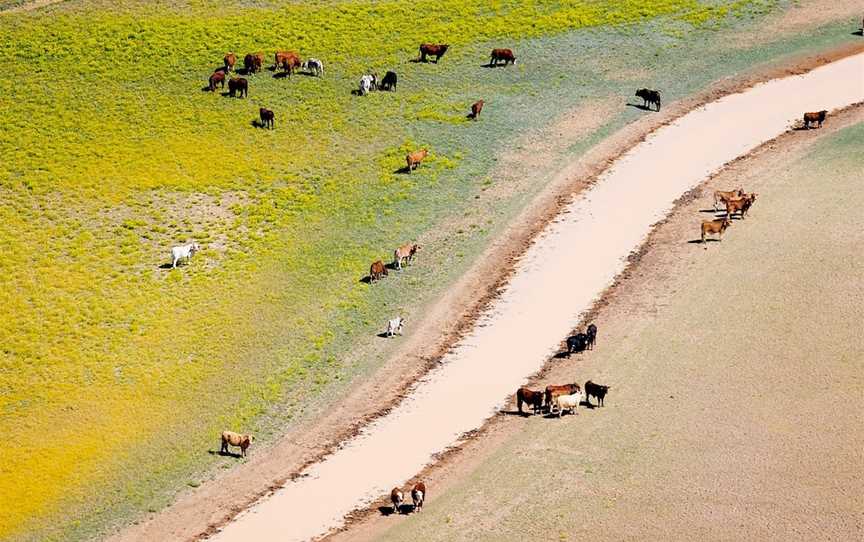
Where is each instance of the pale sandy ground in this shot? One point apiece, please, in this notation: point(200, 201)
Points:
point(551, 289)
point(737, 392)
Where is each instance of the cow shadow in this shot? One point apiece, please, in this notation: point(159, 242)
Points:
point(858, 32)
point(470, 116)
point(383, 335)
point(280, 75)
point(166, 266)
point(643, 107)
point(206, 88)
point(699, 241)
point(222, 453)
point(402, 171)
point(490, 65)
point(366, 280)
point(390, 510)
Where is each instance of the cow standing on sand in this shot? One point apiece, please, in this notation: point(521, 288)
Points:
point(591, 332)
point(740, 205)
point(816, 118)
point(554, 391)
point(268, 118)
point(502, 55)
point(183, 252)
point(649, 97)
point(577, 343)
point(715, 226)
point(229, 60)
point(235, 439)
point(722, 196)
point(376, 271)
point(567, 402)
point(433, 49)
point(395, 326)
point(397, 498)
point(238, 86)
point(218, 78)
point(414, 159)
point(476, 108)
point(418, 495)
point(404, 254)
point(597, 391)
point(529, 397)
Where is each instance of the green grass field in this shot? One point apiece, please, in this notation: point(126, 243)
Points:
point(116, 375)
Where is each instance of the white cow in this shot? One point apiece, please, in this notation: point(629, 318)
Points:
point(313, 65)
point(570, 402)
point(183, 252)
point(368, 83)
point(394, 326)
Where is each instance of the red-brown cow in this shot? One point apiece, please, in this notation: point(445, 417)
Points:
point(288, 61)
point(377, 271)
point(814, 118)
point(415, 158)
point(230, 59)
point(218, 78)
point(502, 55)
point(476, 108)
point(433, 49)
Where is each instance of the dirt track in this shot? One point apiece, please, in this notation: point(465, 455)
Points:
point(540, 302)
point(736, 386)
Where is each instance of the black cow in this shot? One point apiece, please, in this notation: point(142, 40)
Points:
point(268, 118)
point(649, 97)
point(389, 81)
point(597, 391)
point(576, 343)
point(592, 336)
point(238, 86)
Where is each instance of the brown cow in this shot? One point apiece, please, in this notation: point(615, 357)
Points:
point(418, 495)
point(230, 59)
point(218, 78)
point(740, 205)
point(253, 62)
point(377, 271)
point(405, 252)
point(235, 439)
point(288, 61)
point(238, 86)
point(397, 498)
point(529, 397)
point(415, 158)
point(433, 49)
point(715, 226)
point(554, 391)
point(476, 108)
point(814, 118)
point(505, 55)
point(722, 196)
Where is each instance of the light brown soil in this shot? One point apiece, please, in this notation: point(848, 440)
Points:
point(669, 455)
point(203, 510)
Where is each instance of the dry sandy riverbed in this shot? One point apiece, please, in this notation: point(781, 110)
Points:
point(543, 301)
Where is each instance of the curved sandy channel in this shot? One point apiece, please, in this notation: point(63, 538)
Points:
point(543, 301)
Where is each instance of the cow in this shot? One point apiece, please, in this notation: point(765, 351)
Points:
point(649, 97)
point(433, 49)
point(577, 343)
point(529, 397)
point(591, 332)
point(235, 439)
point(238, 86)
point(397, 498)
point(394, 326)
point(418, 495)
point(597, 391)
point(183, 252)
point(740, 205)
point(415, 158)
point(405, 252)
point(814, 118)
point(476, 108)
point(314, 66)
point(218, 78)
point(715, 226)
point(566, 402)
point(288, 61)
point(554, 391)
point(722, 196)
point(376, 271)
point(268, 118)
point(502, 55)
point(229, 60)
point(389, 81)
point(368, 83)
point(253, 62)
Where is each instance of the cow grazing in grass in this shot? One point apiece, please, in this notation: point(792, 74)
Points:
point(597, 391)
point(415, 158)
point(394, 326)
point(649, 97)
point(183, 252)
point(722, 196)
point(397, 498)
point(218, 78)
point(740, 205)
point(716, 227)
point(577, 343)
point(418, 495)
point(591, 332)
point(238, 86)
point(529, 397)
point(476, 108)
point(554, 391)
point(288, 61)
point(314, 66)
point(433, 49)
point(502, 55)
point(377, 271)
point(368, 83)
point(816, 118)
point(566, 402)
point(229, 60)
point(268, 118)
point(230, 438)
point(389, 81)
point(253, 62)
point(404, 254)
